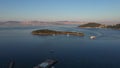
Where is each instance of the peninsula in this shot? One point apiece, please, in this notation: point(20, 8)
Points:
point(54, 32)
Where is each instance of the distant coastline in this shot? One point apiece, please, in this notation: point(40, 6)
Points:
point(97, 25)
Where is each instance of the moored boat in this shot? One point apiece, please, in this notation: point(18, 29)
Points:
point(92, 37)
point(49, 63)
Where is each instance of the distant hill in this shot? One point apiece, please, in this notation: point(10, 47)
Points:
point(10, 23)
point(70, 22)
point(91, 25)
point(28, 23)
point(37, 23)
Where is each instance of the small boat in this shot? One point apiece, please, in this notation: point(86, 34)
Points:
point(46, 64)
point(92, 37)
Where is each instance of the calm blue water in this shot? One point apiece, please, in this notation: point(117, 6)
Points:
point(27, 50)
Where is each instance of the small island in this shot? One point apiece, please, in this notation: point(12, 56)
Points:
point(54, 32)
point(92, 25)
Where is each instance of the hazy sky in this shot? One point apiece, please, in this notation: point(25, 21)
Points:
point(56, 10)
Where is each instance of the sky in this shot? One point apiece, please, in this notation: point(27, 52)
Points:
point(60, 10)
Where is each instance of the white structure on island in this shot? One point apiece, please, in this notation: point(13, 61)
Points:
point(53, 34)
point(68, 35)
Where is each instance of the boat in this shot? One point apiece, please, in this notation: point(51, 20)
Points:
point(49, 63)
point(92, 37)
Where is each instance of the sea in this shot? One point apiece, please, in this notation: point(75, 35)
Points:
point(26, 50)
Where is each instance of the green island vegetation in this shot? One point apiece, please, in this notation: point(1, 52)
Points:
point(53, 32)
point(91, 25)
point(97, 25)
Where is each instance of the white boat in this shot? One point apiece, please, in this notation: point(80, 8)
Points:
point(92, 37)
point(46, 64)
